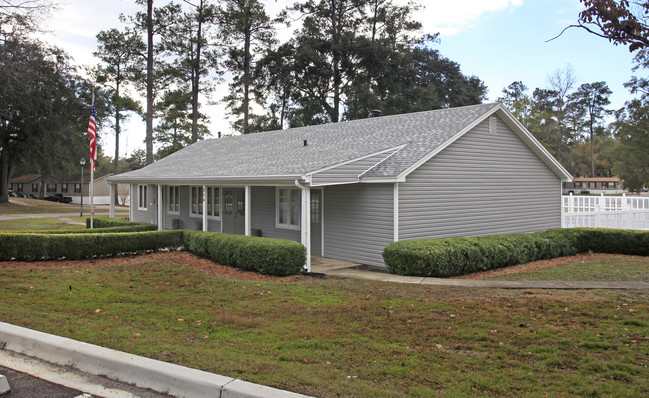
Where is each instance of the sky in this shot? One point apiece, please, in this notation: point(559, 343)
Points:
point(499, 41)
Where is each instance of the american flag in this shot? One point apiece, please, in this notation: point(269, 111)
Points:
point(92, 133)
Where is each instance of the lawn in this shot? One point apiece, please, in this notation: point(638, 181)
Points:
point(335, 337)
point(36, 223)
point(624, 268)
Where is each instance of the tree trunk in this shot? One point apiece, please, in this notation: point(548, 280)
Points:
point(246, 78)
point(149, 84)
point(4, 174)
point(335, 114)
point(196, 75)
point(592, 151)
point(117, 131)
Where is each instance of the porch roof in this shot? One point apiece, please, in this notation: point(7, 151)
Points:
point(298, 152)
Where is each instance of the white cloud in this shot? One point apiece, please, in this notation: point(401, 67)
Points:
point(452, 17)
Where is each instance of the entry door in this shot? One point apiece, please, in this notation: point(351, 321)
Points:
point(234, 211)
point(316, 222)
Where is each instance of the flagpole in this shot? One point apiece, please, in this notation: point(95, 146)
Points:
point(92, 179)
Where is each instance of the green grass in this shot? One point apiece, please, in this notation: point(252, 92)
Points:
point(332, 337)
point(34, 223)
point(603, 269)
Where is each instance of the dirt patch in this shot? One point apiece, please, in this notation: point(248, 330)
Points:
point(541, 264)
point(179, 257)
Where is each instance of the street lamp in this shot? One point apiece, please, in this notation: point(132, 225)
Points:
point(82, 162)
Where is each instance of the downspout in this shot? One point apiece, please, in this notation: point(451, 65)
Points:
point(305, 223)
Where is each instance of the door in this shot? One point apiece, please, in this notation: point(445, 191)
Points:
point(234, 211)
point(316, 222)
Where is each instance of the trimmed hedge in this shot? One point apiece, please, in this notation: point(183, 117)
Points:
point(277, 257)
point(86, 245)
point(460, 256)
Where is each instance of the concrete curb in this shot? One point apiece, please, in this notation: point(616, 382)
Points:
point(163, 377)
point(4, 385)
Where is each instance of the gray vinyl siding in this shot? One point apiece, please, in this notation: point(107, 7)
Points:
point(148, 215)
point(186, 220)
point(347, 173)
point(262, 212)
point(481, 184)
point(358, 222)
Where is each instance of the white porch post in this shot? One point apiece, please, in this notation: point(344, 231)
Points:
point(204, 208)
point(160, 207)
point(306, 224)
point(111, 212)
point(247, 210)
point(131, 202)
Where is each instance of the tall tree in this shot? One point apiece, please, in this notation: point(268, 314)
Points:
point(632, 133)
point(327, 47)
point(118, 52)
point(175, 129)
point(149, 23)
point(190, 40)
point(44, 108)
point(247, 30)
point(592, 99)
point(516, 99)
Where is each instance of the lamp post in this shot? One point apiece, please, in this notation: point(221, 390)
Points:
point(82, 162)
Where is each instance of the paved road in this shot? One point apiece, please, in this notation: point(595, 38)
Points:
point(25, 386)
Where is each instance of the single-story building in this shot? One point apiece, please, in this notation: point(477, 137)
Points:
point(71, 186)
point(594, 185)
point(346, 190)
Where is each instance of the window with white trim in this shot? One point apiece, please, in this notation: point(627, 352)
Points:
point(288, 208)
point(213, 201)
point(141, 197)
point(174, 200)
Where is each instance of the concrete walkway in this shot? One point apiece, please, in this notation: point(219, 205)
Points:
point(344, 269)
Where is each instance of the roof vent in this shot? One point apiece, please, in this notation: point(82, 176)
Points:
point(493, 125)
point(375, 113)
point(305, 143)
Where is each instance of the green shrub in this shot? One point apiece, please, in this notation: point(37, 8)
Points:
point(277, 257)
point(86, 245)
point(107, 222)
point(134, 227)
point(459, 256)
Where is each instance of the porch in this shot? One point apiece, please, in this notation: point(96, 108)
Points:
point(275, 211)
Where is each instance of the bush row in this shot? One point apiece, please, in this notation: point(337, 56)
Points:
point(267, 256)
point(87, 245)
point(277, 257)
point(460, 256)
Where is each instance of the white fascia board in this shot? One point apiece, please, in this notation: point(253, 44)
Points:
point(379, 180)
point(529, 139)
point(448, 142)
point(396, 150)
point(208, 180)
point(354, 160)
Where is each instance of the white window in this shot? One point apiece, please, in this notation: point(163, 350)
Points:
point(288, 208)
point(213, 201)
point(174, 200)
point(141, 197)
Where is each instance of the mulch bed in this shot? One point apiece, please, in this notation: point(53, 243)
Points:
point(542, 264)
point(179, 257)
point(189, 259)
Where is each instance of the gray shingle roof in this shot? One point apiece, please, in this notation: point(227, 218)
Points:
point(282, 153)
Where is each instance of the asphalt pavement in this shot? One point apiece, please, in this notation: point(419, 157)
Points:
point(26, 386)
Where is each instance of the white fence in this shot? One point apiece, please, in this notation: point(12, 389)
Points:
point(620, 212)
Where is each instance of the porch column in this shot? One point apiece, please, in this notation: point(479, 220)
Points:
point(130, 201)
point(204, 208)
point(306, 224)
point(247, 210)
point(111, 212)
point(160, 207)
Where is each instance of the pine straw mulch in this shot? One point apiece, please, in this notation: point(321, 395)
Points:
point(180, 257)
point(542, 264)
point(191, 260)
